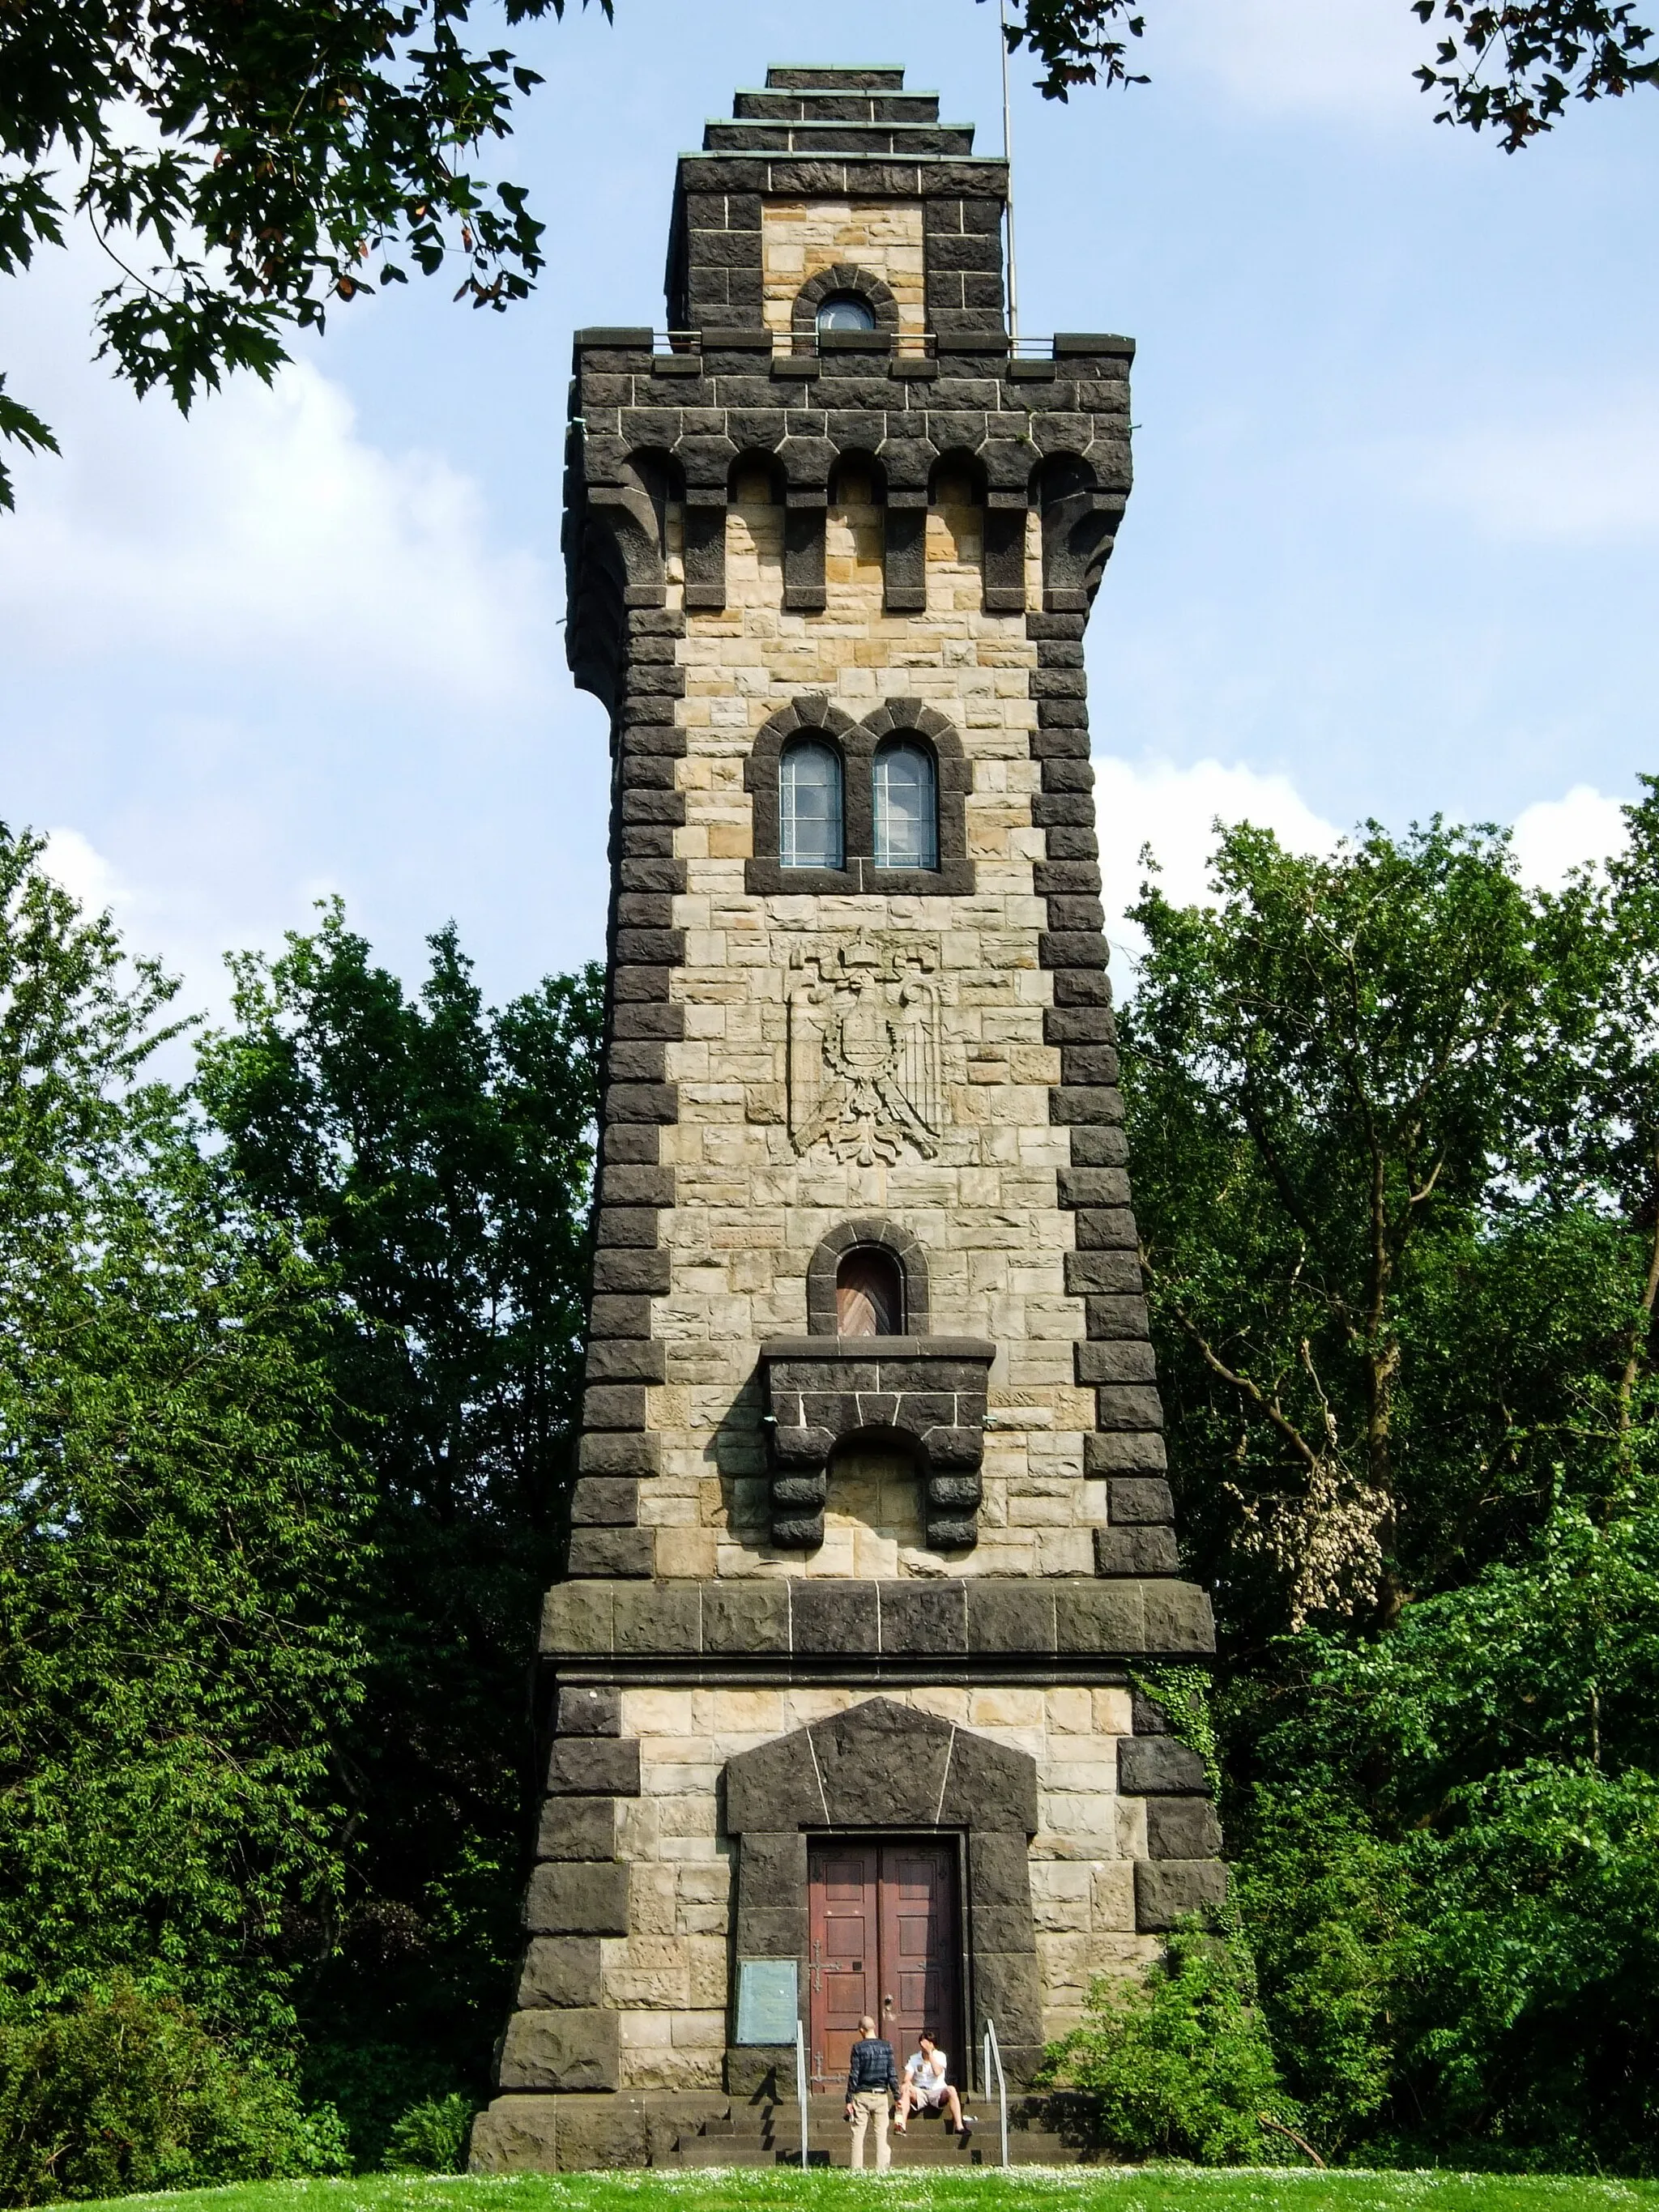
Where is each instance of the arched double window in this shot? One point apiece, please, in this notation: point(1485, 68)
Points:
point(811, 810)
point(903, 805)
point(906, 813)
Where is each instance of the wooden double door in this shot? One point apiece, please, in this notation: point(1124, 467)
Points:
point(886, 1937)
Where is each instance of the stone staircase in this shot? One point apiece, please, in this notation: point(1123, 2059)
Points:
point(767, 2134)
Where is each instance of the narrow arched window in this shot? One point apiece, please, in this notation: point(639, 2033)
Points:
point(869, 1295)
point(810, 807)
point(907, 806)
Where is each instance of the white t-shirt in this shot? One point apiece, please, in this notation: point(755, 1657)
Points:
point(926, 2076)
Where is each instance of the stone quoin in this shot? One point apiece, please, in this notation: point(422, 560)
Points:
point(872, 1541)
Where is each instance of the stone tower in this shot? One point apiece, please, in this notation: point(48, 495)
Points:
point(871, 1532)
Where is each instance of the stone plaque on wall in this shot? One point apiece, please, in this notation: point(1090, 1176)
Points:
point(768, 2001)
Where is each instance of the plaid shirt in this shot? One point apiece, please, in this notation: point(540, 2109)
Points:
point(872, 2067)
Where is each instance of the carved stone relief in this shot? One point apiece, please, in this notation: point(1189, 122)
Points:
point(863, 1047)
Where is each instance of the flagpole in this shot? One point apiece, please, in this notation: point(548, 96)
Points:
point(1008, 157)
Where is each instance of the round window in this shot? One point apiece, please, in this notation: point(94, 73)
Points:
point(845, 311)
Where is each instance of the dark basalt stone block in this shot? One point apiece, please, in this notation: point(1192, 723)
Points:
point(1100, 1617)
point(1000, 1874)
point(577, 1617)
point(1159, 1765)
point(1008, 1986)
point(767, 1788)
point(1117, 1317)
point(604, 1501)
point(877, 1764)
point(1168, 1890)
point(619, 1554)
point(574, 1898)
point(611, 1315)
point(1182, 1828)
point(774, 1864)
point(1121, 1360)
point(771, 1931)
point(663, 1618)
point(624, 1359)
point(614, 1406)
point(745, 1617)
point(800, 1532)
point(989, 1785)
point(1138, 1554)
point(835, 1616)
point(956, 1532)
point(589, 1709)
point(559, 1972)
point(1179, 1618)
point(1131, 1500)
point(760, 2069)
point(563, 2051)
point(928, 1617)
point(593, 1766)
point(577, 1828)
point(1010, 1616)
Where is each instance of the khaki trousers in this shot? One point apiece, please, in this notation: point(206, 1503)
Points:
point(871, 2104)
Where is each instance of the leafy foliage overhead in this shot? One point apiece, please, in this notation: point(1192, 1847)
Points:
point(1510, 66)
point(247, 167)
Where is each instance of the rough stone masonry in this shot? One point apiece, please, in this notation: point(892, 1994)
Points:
point(841, 1572)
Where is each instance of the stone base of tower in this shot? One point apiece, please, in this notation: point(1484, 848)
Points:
point(856, 1791)
point(565, 2134)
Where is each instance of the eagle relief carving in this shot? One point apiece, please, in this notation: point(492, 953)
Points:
point(863, 1048)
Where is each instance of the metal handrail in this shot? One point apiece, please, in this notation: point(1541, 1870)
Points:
point(993, 2057)
point(800, 2088)
point(902, 345)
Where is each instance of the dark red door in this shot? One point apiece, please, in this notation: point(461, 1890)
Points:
point(884, 1931)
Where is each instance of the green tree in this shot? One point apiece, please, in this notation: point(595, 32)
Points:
point(180, 1519)
point(1338, 1075)
point(1396, 1128)
point(1510, 66)
point(1178, 2065)
point(1451, 1861)
point(437, 1158)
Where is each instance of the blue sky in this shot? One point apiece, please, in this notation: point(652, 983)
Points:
point(1393, 548)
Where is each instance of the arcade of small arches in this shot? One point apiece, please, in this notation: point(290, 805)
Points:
point(686, 493)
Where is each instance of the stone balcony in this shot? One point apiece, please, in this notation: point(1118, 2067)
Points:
point(927, 1392)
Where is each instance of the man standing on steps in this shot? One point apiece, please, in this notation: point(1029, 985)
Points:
point(872, 2079)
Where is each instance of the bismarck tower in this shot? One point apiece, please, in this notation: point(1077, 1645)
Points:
point(872, 1532)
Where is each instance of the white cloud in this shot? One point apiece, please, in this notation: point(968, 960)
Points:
point(76, 863)
point(1556, 835)
point(1353, 57)
point(1175, 810)
point(1573, 467)
point(266, 531)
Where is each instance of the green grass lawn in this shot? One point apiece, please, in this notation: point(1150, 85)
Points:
point(1122, 2189)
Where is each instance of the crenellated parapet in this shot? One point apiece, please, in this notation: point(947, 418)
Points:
point(654, 429)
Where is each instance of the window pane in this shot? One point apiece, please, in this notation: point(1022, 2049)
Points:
point(907, 813)
point(845, 311)
point(809, 807)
